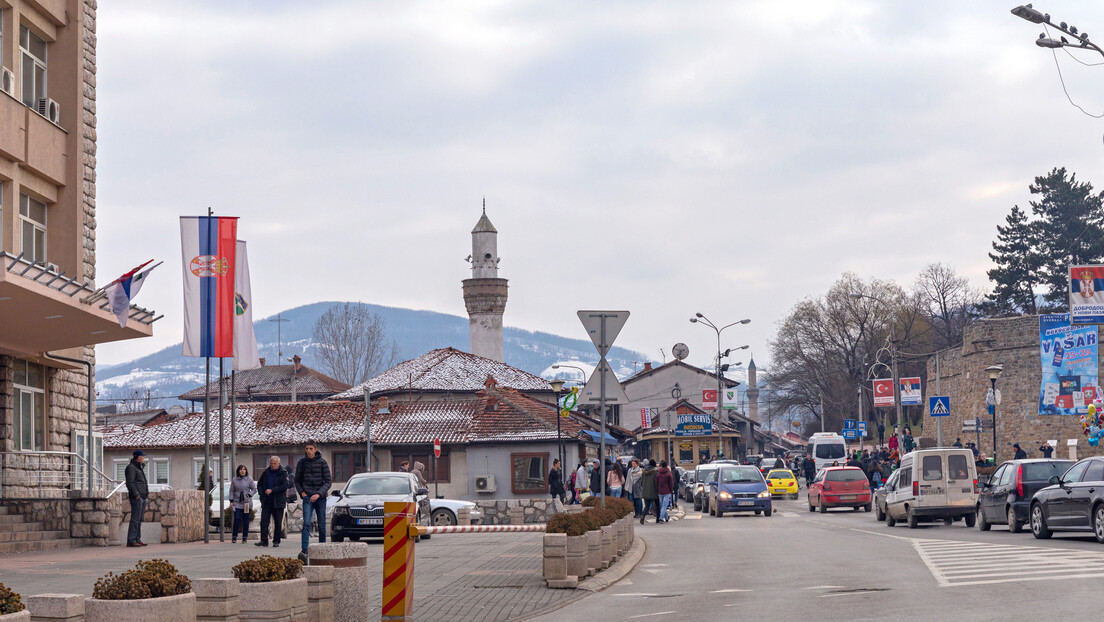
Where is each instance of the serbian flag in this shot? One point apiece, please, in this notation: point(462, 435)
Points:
point(209, 247)
point(123, 289)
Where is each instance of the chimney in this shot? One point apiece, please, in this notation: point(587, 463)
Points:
point(262, 362)
point(647, 366)
point(297, 360)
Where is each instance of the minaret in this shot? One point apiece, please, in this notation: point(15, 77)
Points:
point(485, 293)
point(752, 391)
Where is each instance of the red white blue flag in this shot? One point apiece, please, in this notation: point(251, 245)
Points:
point(209, 249)
point(123, 289)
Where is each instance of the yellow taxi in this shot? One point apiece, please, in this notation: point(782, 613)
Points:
point(782, 483)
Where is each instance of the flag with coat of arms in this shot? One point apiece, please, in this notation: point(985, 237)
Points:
point(123, 290)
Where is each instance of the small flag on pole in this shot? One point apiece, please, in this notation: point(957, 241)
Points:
point(123, 289)
point(245, 339)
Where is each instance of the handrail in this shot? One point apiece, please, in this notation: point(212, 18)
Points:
point(69, 482)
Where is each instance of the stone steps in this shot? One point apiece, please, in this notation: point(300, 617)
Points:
point(36, 545)
point(19, 536)
point(6, 519)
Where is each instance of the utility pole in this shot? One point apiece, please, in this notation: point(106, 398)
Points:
point(279, 336)
point(822, 411)
point(938, 420)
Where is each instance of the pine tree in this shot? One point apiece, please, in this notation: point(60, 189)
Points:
point(1069, 230)
point(1017, 272)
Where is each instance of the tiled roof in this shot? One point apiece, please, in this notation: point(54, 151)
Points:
point(273, 381)
point(493, 415)
point(677, 363)
point(447, 370)
point(138, 418)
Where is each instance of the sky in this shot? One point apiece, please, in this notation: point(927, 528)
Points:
point(727, 158)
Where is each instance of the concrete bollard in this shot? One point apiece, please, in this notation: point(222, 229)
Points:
point(320, 593)
point(576, 557)
point(463, 516)
point(555, 559)
point(607, 546)
point(216, 599)
point(594, 551)
point(56, 607)
point(352, 584)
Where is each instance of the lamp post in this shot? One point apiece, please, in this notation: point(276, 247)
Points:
point(994, 371)
point(893, 356)
point(557, 386)
point(701, 319)
point(1080, 40)
point(582, 372)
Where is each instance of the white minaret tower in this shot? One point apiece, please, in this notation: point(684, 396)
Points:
point(485, 293)
point(753, 391)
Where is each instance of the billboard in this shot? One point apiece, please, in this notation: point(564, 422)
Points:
point(883, 392)
point(1068, 356)
point(1086, 294)
point(910, 392)
point(694, 425)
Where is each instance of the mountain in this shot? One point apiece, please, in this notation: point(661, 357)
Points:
point(166, 373)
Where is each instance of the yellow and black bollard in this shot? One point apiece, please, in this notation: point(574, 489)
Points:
point(400, 532)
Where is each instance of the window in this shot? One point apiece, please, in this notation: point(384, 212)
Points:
point(958, 469)
point(346, 464)
point(1095, 472)
point(157, 470)
point(33, 52)
point(30, 407)
point(830, 451)
point(1074, 474)
point(932, 467)
point(995, 479)
point(443, 464)
point(906, 476)
point(527, 473)
point(32, 226)
point(197, 464)
point(686, 452)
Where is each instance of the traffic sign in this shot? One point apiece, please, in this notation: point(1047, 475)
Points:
point(592, 322)
point(862, 428)
point(436, 448)
point(850, 434)
point(592, 392)
point(848, 424)
point(939, 405)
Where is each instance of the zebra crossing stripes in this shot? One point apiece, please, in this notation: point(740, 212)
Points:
point(955, 563)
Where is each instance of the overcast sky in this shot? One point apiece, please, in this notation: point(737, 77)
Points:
point(662, 157)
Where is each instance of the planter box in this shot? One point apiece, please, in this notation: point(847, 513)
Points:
point(19, 616)
point(181, 607)
point(577, 556)
point(555, 556)
point(275, 600)
point(594, 551)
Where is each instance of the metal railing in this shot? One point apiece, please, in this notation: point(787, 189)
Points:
point(51, 475)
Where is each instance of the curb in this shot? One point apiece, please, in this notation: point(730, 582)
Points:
point(618, 570)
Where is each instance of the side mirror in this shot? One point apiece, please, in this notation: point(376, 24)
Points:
point(1054, 479)
point(422, 492)
point(335, 493)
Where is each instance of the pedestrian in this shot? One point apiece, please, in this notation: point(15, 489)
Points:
point(648, 490)
point(875, 476)
point(665, 486)
point(571, 486)
point(1020, 454)
point(910, 443)
point(312, 480)
point(635, 488)
point(881, 433)
point(138, 492)
point(981, 460)
point(580, 482)
point(974, 448)
point(853, 462)
point(419, 473)
point(810, 471)
point(272, 484)
point(615, 479)
point(893, 444)
point(404, 466)
point(242, 489)
point(555, 481)
point(1047, 450)
point(596, 479)
point(957, 443)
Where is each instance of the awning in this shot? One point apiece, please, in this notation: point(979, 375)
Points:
point(594, 436)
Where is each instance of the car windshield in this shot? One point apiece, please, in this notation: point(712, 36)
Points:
point(846, 475)
point(780, 475)
point(740, 475)
point(394, 485)
point(1043, 471)
point(830, 451)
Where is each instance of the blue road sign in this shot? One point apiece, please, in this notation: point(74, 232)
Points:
point(862, 428)
point(848, 424)
point(939, 406)
point(850, 434)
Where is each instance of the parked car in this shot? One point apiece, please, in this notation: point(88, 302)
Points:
point(934, 484)
point(1073, 501)
point(836, 487)
point(358, 511)
point(444, 511)
point(215, 505)
point(1006, 497)
point(686, 486)
point(880, 496)
point(738, 489)
point(702, 475)
point(782, 483)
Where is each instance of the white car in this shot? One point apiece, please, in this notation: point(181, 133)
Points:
point(215, 505)
point(443, 511)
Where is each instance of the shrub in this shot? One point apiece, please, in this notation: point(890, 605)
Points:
point(572, 524)
point(266, 568)
point(10, 602)
point(148, 579)
point(592, 501)
point(604, 516)
point(623, 507)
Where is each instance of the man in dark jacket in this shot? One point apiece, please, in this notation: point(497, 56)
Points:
point(1020, 454)
point(648, 488)
point(597, 486)
point(810, 471)
point(665, 487)
point(138, 492)
point(1047, 450)
point(555, 481)
point(312, 479)
point(272, 483)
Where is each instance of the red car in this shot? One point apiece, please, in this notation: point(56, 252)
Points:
point(840, 487)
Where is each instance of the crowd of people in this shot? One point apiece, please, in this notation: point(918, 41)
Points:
point(650, 486)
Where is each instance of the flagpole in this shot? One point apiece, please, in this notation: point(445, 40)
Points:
point(204, 481)
point(234, 420)
point(222, 458)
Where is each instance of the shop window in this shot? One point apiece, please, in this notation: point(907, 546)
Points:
point(528, 473)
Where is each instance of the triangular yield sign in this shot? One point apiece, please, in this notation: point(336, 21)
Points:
point(592, 392)
point(592, 322)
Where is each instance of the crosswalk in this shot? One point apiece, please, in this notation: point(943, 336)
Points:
point(955, 563)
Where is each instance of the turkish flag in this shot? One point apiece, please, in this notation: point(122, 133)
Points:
point(883, 392)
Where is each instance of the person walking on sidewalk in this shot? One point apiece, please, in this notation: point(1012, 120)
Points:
point(419, 472)
point(555, 481)
point(615, 480)
point(580, 483)
point(138, 492)
point(648, 489)
point(632, 484)
point(272, 484)
point(665, 486)
point(242, 489)
point(312, 480)
point(596, 479)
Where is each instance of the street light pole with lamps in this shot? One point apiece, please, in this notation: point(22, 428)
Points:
point(1081, 40)
point(896, 377)
point(582, 372)
point(557, 386)
point(699, 318)
point(994, 372)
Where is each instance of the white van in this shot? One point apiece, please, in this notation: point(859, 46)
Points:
point(826, 448)
point(933, 484)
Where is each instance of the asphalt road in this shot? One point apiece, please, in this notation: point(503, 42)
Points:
point(844, 565)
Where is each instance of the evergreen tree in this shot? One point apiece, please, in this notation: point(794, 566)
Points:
point(1017, 272)
point(1069, 230)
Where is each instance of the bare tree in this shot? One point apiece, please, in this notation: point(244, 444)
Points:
point(353, 343)
point(948, 303)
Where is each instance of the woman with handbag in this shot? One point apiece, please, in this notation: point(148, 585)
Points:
point(242, 489)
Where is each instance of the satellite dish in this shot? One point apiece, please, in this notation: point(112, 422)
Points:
point(680, 351)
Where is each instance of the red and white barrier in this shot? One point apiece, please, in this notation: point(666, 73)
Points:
point(429, 531)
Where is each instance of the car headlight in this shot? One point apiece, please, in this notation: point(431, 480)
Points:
point(701, 487)
point(765, 494)
point(340, 510)
point(725, 495)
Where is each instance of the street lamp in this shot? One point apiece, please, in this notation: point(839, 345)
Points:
point(701, 319)
point(893, 355)
point(557, 386)
point(1080, 39)
point(994, 371)
point(582, 372)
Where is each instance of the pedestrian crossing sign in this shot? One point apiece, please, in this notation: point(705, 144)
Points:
point(939, 406)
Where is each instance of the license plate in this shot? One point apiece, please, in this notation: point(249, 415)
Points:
point(848, 497)
point(745, 503)
point(369, 521)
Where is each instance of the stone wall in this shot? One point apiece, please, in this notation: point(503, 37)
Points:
point(534, 510)
point(180, 512)
point(88, 138)
point(1013, 343)
point(52, 514)
point(92, 522)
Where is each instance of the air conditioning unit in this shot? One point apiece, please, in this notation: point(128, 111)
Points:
point(49, 109)
point(8, 82)
point(484, 483)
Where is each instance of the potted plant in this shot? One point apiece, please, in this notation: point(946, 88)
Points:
point(151, 590)
point(11, 606)
point(271, 589)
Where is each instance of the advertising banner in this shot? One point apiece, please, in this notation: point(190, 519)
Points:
point(910, 392)
point(645, 418)
point(1086, 294)
point(694, 425)
point(1068, 355)
point(883, 392)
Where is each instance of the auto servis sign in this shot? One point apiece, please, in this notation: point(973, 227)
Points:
point(694, 425)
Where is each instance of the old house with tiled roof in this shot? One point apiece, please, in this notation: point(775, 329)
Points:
point(271, 383)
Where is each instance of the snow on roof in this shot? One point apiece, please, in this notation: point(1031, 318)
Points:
point(444, 370)
point(273, 380)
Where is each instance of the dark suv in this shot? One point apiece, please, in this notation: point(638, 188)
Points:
point(1073, 502)
point(1006, 497)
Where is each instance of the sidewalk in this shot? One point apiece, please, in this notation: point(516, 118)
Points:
point(464, 576)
